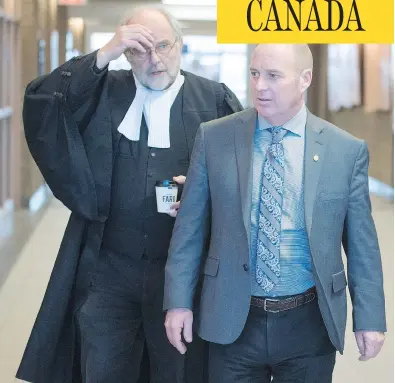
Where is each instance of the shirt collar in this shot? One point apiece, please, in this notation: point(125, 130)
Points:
point(295, 125)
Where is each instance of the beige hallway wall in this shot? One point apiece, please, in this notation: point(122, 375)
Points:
point(375, 128)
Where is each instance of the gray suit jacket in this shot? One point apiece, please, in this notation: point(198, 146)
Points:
point(217, 201)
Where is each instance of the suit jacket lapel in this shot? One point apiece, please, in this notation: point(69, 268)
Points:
point(244, 141)
point(314, 157)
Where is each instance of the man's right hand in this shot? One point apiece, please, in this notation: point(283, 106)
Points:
point(133, 36)
point(179, 321)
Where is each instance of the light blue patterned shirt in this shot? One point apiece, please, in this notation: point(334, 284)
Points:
point(295, 260)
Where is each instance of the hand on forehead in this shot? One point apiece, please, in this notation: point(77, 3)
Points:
point(156, 22)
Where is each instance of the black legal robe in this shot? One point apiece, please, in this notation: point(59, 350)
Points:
point(68, 122)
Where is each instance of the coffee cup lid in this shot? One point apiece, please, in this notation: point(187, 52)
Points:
point(165, 183)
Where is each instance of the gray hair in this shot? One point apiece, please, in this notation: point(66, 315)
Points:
point(174, 23)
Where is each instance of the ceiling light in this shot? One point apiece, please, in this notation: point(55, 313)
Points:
point(212, 3)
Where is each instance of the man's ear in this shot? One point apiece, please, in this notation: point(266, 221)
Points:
point(305, 79)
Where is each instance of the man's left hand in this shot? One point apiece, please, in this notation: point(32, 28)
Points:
point(369, 343)
point(174, 208)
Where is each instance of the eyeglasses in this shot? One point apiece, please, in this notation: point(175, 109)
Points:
point(162, 49)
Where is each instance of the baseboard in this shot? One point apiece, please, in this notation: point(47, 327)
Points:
point(38, 199)
point(381, 189)
point(7, 208)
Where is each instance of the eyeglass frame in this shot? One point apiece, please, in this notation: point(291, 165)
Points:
point(149, 51)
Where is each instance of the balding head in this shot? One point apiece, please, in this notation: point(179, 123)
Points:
point(299, 55)
point(280, 74)
point(303, 56)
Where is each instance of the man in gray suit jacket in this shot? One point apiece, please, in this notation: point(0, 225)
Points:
point(280, 190)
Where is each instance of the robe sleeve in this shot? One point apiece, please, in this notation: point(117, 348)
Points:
point(230, 103)
point(57, 108)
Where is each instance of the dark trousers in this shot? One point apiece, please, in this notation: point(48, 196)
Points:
point(122, 313)
point(289, 347)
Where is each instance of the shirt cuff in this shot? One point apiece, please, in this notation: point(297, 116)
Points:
point(97, 70)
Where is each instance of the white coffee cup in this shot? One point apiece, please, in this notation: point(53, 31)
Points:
point(166, 195)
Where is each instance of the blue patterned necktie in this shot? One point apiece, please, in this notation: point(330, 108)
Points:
point(270, 213)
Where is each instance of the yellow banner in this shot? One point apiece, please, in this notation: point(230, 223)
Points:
point(305, 21)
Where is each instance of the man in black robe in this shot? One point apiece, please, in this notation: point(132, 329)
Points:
point(102, 140)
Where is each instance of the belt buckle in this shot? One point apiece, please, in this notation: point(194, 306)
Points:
point(265, 306)
point(309, 297)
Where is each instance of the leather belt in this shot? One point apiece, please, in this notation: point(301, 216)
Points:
point(276, 305)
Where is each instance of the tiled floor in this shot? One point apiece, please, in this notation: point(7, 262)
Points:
point(21, 294)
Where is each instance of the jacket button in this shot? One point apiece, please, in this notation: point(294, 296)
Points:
point(153, 154)
point(245, 267)
point(145, 236)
